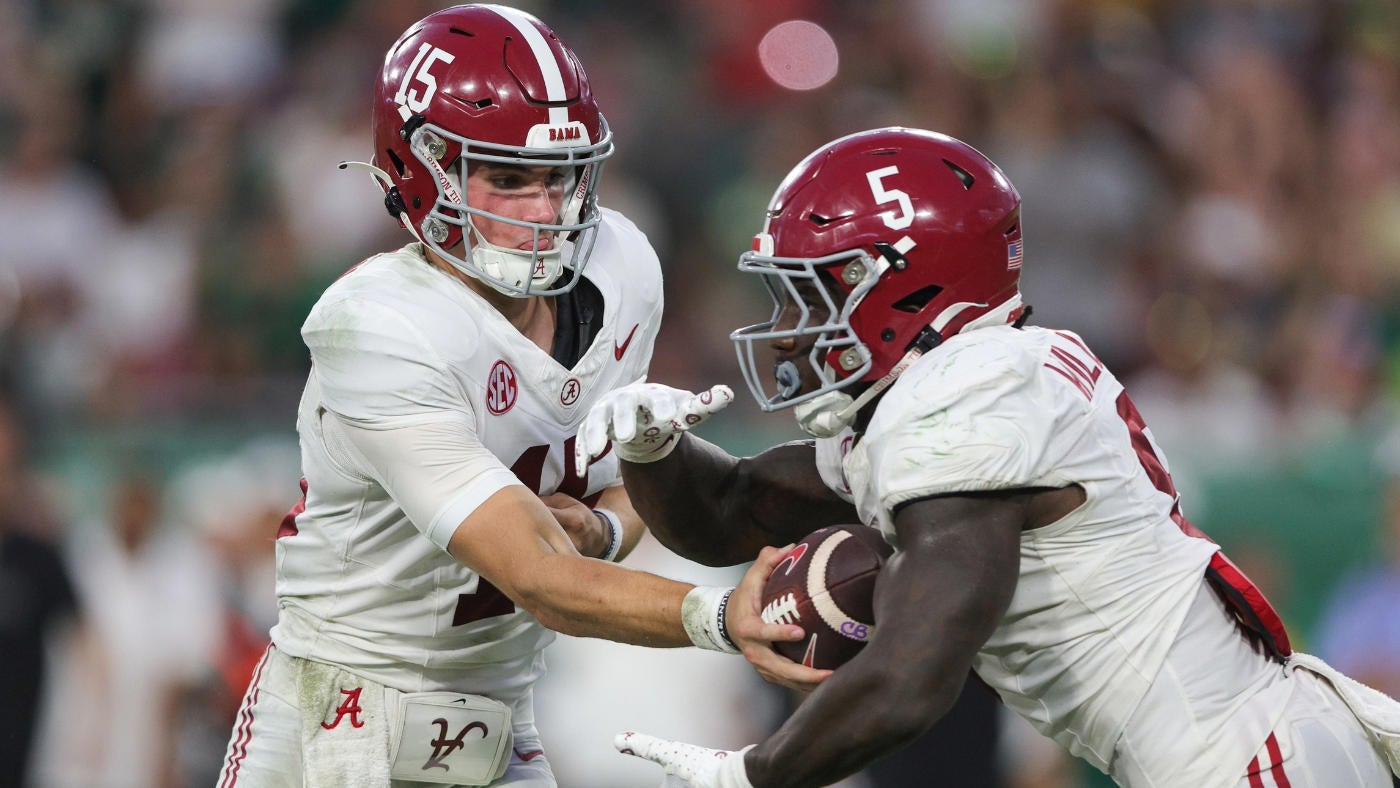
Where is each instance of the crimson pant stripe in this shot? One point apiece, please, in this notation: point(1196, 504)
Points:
point(1255, 781)
point(239, 750)
point(1276, 756)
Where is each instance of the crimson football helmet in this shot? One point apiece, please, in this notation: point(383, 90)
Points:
point(881, 244)
point(487, 83)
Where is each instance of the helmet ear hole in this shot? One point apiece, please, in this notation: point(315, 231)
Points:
point(917, 300)
point(394, 159)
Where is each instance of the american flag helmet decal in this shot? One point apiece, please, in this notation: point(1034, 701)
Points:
point(1014, 251)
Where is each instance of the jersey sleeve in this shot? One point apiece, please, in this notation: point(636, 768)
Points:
point(982, 421)
point(398, 417)
point(438, 472)
point(376, 368)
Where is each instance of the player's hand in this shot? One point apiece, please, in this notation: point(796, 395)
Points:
point(644, 421)
point(755, 637)
point(586, 530)
point(687, 765)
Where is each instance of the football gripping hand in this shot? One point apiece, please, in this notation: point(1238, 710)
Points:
point(644, 421)
point(688, 765)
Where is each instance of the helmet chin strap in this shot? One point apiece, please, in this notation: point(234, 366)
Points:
point(825, 415)
point(495, 261)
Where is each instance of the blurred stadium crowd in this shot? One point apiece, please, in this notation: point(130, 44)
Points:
point(1212, 199)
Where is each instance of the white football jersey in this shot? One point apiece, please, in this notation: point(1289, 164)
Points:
point(401, 347)
point(1102, 593)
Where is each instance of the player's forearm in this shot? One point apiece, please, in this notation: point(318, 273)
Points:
point(587, 598)
point(824, 741)
point(693, 501)
point(616, 500)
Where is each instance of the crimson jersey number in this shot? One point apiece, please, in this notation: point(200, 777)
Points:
point(1252, 610)
point(487, 600)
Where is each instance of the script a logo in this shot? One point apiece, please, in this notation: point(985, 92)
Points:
point(443, 747)
point(350, 707)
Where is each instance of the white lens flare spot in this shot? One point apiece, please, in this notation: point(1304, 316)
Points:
point(799, 55)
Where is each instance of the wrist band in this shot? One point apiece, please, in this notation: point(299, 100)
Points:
point(615, 534)
point(702, 615)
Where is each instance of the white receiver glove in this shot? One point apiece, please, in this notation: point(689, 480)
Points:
point(644, 421)
point(688, 765)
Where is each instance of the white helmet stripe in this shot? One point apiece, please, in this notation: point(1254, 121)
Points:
point(549, 67)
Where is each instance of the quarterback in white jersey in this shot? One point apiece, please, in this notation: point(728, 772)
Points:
point(443, 534)
point(1039, 540)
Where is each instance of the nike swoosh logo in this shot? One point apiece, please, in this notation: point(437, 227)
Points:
point(618, 350)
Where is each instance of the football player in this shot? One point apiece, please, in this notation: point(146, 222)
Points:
point(443, 536)
point(1039, 540)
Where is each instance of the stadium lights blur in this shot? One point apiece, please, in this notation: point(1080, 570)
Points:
point(799, 55)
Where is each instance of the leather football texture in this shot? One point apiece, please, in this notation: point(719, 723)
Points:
point(826, 585)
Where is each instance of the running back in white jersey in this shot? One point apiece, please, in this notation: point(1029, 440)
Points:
point(396, 343)
point(1102, 593)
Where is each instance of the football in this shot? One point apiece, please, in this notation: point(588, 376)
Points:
point(826, 585)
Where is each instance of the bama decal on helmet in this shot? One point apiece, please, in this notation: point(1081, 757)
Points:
point(548, 135)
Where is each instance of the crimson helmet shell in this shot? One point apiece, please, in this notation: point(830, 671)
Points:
point(915, 229)
point(490, 83)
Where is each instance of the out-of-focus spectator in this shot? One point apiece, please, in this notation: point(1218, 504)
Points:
point(152, 607)
point(234, 502)
point(38, 605)
point(57, 213)
point(197, 53)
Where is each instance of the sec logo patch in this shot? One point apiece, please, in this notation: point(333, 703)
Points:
point(501, 388)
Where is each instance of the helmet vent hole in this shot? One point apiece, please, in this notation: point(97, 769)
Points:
point(459, 31)
point(818, 219)
point(397, 162)
point(963, 175)
point(918, 299)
